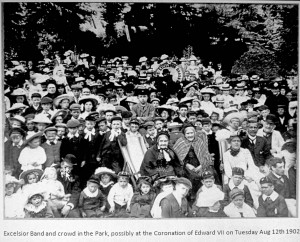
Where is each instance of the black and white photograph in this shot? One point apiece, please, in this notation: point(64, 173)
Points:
point(169, 112)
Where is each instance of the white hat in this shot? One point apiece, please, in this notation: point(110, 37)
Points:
point(16, 106)
point(132, 99)
point(226, 87)
point(186, 99)
point(193, 58)
point(84, 55)
point(18, 92)
point(58, 99)
point(18, 118)
point(172, 100)
point(219, 99)
point(41, 118)
point(10, 179)
point(164, 56)
point(143, 59)
point(207, 90)
point(79, 79)
point(234, 115)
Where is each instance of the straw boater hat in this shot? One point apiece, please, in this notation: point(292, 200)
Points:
point(240, 86)
point(41, 118)
point(207, 90)
point(254, 78)
point(16, 106)
point(174, 125)
point(37, 135)
point(103, 170)
point(225, 87)
point(18, 92)
point(192, 84)
point(219, 99)
point(233, 115)
point(164, 56)
point(58, 99)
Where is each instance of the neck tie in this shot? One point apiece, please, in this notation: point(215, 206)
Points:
point(252, 141)
point(52, 143)
point(268, 199)
point(242, 215)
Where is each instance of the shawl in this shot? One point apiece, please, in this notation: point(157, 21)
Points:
point(182, 147)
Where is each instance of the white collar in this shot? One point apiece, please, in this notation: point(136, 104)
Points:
point(19, 144)
point(48, 142)
point(231, 185)
point(279, 177)
point(106, 185)
point(251, 137)
point(71, 136)
point(273, 196)
point(90, 194)
point(210, 132)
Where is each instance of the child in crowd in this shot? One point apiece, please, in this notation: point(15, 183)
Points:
point(33, 156)
point(61, 131)
point(150, 136)
point(271, 204)
point(120, 196)
point(13, 200)
point(89, 150)
point(237, 181)
point(126, 118)
point(110, 152)
point(73, 142)
point(92, 201)
point(238, 208)
point(37, 206)
point(51, 147)
point(142, 199)
point(106, 177)
point(54, 190)
point(207, 195)
point(30, 178)
point(75, 111)
point(165, 187)
point(133, 129)
point(31, 129)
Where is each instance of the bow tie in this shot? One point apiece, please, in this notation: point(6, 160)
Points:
point(88, 134)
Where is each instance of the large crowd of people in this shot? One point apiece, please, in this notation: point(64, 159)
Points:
point(216, 145)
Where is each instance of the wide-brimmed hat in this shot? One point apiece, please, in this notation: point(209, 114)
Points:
point(164, 56)
point(18, 92)
point(240, 86)
point(104, 170)
point(167, 107)
point(37, 135)
point(143, 59)
point(62, 113)
point(186, 99)
point(234, 115)
point(207, 90)
point(87, 99)
point(254, 78)
point(163, 179)
point(41, 118)
point(219, 99)
point(11, 179)
point(192, 58)
point(16, 106)
point(19, 118)
point(191, 84)
point(37, 172)
point(58, 99)
point(132, 99)
point(172, 100)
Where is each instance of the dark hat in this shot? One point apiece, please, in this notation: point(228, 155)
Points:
point(165, 133)
point(116, 118)
point(94, 114)
point(184, 181)
point(191, 113)
point(265, 180)
point(185, 126)
point(263, 107)
point(274, 85)
point(110, 110)
point(238, 171)
point(148, 124)
point(61, 125)
point(145, 179)
point(158, 119)
point(126, 114)
point(17, 131)
point(62, 113)
point(281, 106)
point(50, 129)
point(124, 174)
point(75, 106)
point(236, 192)
point(271, 119)
point(46, 100)
point(207, 174)
point(142, 91)
point(101, 119)
point(36, 95)
point(29, 116)
point(70, 159)
point(94, 179)
point(73, 123)
point(205, 121)
point(90, 118)
point(135, 121)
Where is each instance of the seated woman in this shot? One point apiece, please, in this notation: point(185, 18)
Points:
point(242, 158)
point(161, 160)
point(192, 151)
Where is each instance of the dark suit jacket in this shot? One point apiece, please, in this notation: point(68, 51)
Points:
point(277, 208)
point(171, 209)
point(260, 151)
point(282, 188)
